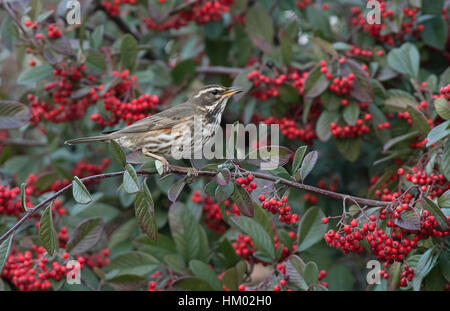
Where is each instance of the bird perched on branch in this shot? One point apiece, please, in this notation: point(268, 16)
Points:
point(172, 130)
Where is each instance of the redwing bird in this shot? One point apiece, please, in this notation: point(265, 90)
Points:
point(158, 135)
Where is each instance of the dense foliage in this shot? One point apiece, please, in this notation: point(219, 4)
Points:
point(363, 107)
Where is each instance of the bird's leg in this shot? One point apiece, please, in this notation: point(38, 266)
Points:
point(166, 166)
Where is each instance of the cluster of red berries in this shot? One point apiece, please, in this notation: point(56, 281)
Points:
point(349, 131)
point(247, 183)
point(31, 270)
point(158, 283)
point(434, 184)
point(360, 52)
point(97, 260)
point(311, 198)
point(33, 190)
point(245, 248)
point(419, 143)
point(445, 91)
point(213, 216)
point(201, 12)
point(406, 276)
point(10, 201)
point(342, 86)
point(275, 206)
point(112, 6)
point(376, 30)
point(63, 107)
point(129, 112)
point(289, 129)
point(54, 31)
point(271, 85)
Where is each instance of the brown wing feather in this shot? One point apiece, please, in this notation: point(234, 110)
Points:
point(163, 120)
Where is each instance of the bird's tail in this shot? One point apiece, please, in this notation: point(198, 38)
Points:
point(83, 140)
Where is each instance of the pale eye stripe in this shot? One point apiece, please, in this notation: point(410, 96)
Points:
point(206, 91)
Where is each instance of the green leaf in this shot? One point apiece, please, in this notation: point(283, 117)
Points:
point(128, 51)
point(175, 190)
point(223, 192)
point(189, 237)
point(80, 192)
point(435, 211)
point(442, 107)
point(130, 180)
point(400, 100)
point(5, 248)
point(35, 74)
point(399, 139)
point(405, 59)
point(259, 236)
point(96, 38)
point(438, 132)
point(228, 256)
point(325, 46)
point(351, 114)
point(95, 62)
point(323, 124)
point(426, 262)
point(315, 83)
point(122, 233)
point(145, 212)
point(137, 263)
point(444, 200)
point(117, 153)
point(126, 282)
point(311, 229)
point(349, 148)
point(258, 24)
point(308, 164)
point(13, 114)
point(362, 89)
point(233, 277)
point(295, 269)
point(298, 158)
point(23, 201)
point(243, 201)
point(86, 235)
point(192, 284)
point(445, 161)
point(204, 272)
point(435, 33)
point(184, 72)
point(310, 273)
point(223, 177)
point(47, 233)
point(419, 121)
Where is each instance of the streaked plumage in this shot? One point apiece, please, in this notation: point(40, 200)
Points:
point(156, 135)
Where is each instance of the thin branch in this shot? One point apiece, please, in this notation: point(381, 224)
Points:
point(181, 171)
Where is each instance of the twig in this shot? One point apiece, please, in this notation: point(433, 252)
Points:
point(181, 171)
point(22, 142)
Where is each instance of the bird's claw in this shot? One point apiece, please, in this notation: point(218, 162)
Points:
point(192, 173)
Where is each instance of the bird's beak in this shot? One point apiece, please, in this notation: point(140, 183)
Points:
point(232, 91)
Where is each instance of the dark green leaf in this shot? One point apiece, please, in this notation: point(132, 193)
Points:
point(315, 84)
point(5, 247)
point(405, 59)
point(175, 190)
point(47, 233)
point(351, 114)
point(204, 272)
point(442, 107)
point(192, 284)
point(80, 192)
point(298, 158)
point(136, 263)
point(308, 164)
point(35, 74)
point(223, 192)
point(13, 114)
point(311, 229)
point(128, 51)
point(323, 124)
point(86, 235)
point(117, 153)
point(243, 201)
point(145, 212)
point(130, 179)
point(258, 24)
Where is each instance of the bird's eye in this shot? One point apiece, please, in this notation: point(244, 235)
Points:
point(214, 92)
